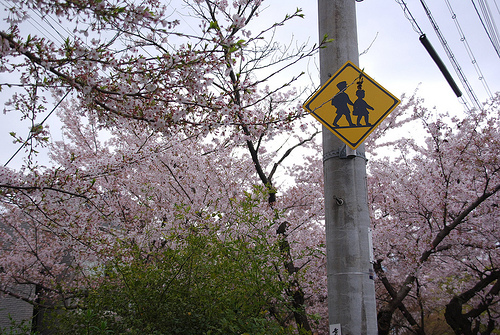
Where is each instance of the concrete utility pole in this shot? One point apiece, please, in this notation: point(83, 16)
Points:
point(351, 289)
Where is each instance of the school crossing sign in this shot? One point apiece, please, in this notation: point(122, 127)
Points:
point(351, 104)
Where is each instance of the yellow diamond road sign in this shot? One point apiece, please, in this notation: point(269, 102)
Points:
point(351, 104)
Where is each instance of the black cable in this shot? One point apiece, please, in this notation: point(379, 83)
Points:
point(40, 124)
point(410, 17)
point(451, 57)
point(469, 49)
point(490, 31)
point(427, 45)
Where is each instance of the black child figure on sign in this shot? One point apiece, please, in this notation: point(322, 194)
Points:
point(360, 108)
point(340, 101)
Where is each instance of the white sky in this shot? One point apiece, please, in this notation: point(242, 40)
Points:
point(396, 59)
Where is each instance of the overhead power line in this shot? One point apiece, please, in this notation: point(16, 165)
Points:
point(469, 50)
point(427, 45)
point(435, 57)
point(488, 23)
point(410, 17)
point(496, 5)
point(451, 57)
point(30, 136)
point(425, 42)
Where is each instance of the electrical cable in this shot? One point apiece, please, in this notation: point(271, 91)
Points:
point(410, 17)
point(451, 57)
point(492, 19)
point(45, 32)
point(46, 18)
point(36, 24)
point(425, 42)
point(488, 24)
point(39, 124)
point(496, 5)
point(468, 49)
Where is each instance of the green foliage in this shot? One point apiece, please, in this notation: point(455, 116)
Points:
point(17, 327)
point(203, 282)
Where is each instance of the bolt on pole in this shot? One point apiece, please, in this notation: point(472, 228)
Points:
point(351, 289)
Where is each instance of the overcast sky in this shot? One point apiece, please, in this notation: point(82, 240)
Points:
point(395, 57)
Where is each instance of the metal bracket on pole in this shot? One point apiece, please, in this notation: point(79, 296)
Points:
point(343, 153)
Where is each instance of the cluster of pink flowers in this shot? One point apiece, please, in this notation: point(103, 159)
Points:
point(159, 141)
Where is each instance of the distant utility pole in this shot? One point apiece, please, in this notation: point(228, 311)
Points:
point(351, 289)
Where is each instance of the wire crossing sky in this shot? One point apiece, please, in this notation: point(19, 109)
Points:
point(488, 22)
point(451, 57)
point(472, 58)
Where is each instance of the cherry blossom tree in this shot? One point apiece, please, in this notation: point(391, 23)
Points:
point(170, 137)
point(165, 135)
point(435, 210)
